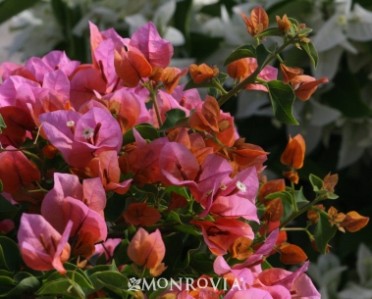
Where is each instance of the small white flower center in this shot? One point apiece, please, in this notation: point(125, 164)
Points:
point(88, 133)
point(241, 186)
point(70, 123)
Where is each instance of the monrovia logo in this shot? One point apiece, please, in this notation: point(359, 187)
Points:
point(134, 284)
point(182, 283)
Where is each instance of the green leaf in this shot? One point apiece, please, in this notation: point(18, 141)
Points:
point(311, 52)
point(300, 198)
point(270, 32)
point(2, 123)
point(6, 284)
point(26, 285)
point(241, 52)
point(282, 98)
point(147, 131)
point(1, 188)
point(316, 182)
point(10, 258)
point(112, 280)
point(324, 232)
point(76, 276)
point(262, 54)
point(63, 287)
point(173, 117)
point(10, 8)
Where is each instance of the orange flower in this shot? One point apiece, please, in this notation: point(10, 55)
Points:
point(131, 65)
point(241, 68)
point(169, 76)
point(271, 187)
point(245, 155)
point(290, 72)
point(202, 72)
point(274, 210)
point(148, 250)
point(294, 153)
point(330, 181)
point(241, 248)
point(207, 116)
point(354, 222)
point(303, 85)
point(141, 214)
point(257, 22)
point(284, 24)
point(313, 213)
point(18, 174)
point(291, 254)
point(292, 176)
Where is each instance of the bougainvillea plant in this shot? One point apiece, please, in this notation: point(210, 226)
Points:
point(120, 180)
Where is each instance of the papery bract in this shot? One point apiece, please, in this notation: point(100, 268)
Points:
point(294, 153)
point(158, 51)
point(202, 72)
point(42, 247)
point(66, 202)
point(257, 21)
point(220, 234)
point(131, 66)
point(106, 166)
point(18, 174)
point(244, 67)
point(148, 250)
point(81, 137)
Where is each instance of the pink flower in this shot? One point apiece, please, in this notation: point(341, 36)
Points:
point(221, 234)
point(148, 250)
point(178, 165)
point(291, 284)
point(107, 248)
point(129, 108)
point(81, 137)
point(106, 167)
point(222, 195)
point(83, 205)
point(42, 247)
point(158, 51)
point(251, 293)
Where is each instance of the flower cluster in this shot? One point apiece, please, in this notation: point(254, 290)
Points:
point(115, 168)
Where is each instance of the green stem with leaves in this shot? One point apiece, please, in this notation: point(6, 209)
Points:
point(302, 210)
point(252, 78)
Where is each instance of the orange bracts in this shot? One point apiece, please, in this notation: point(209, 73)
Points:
point(202, 72)
point(303, 85)
point(294, 154)
point(148, 250)
point(131, 66)
point(257, 22)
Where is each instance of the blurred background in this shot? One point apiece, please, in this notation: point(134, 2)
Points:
point(336, 122)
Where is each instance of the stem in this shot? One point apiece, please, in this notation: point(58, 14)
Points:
point(252, 78)
point(156, 106)
point(301, 211)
